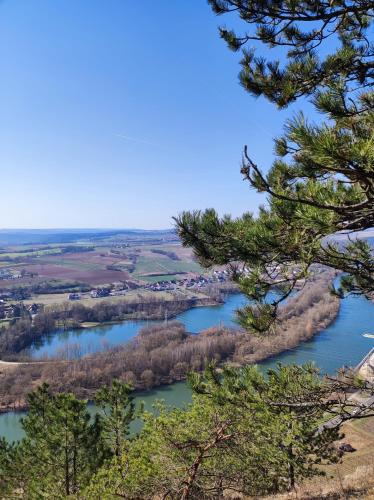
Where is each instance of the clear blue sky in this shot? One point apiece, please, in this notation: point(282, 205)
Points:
point(114, 113)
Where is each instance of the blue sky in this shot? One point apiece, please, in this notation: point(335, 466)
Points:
point(118, 114)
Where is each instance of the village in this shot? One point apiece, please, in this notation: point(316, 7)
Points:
point(191, 283)
point(13, 308)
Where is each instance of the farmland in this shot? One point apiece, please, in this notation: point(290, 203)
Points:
point(156, 268)
point(46, 272)
point(102, 265)
point(131, 296)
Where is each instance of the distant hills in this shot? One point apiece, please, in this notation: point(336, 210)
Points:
point(49, 236)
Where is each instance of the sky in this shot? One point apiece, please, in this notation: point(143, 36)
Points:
point(117, 114)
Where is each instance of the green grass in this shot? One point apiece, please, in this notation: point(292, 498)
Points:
point(36, 253)
point(27, 251)
point(146, 268)
point(78, 265)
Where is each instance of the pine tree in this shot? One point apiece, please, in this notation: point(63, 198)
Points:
point(118, 410)
point(57, 446)
point(301, 29)
point(285, 409)
point(244, 432)
point(322, 180)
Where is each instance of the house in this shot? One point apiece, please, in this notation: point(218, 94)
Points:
point(33, 308)
point(100, 292)
point(74, 296)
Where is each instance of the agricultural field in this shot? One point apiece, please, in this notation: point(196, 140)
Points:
point(151, 266)
point(13, 255)
point(47, 272)
point(87, 267)
point(131, 296)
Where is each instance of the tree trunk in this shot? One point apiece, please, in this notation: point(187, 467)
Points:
point(291, 469)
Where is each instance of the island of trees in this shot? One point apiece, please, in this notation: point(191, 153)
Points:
point(23, 332)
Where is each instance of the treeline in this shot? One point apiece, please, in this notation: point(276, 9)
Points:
point(166, 353)
point(54, 286)
point(31, 253)
point(44, 287)
point(171, 255)
point(22, 333)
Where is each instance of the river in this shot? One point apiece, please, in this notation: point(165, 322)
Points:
point(341, 343)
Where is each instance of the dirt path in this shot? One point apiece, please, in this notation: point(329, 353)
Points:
point(5, 364)
point(9, 365)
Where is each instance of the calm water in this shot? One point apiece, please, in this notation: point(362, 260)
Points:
point(339, 344)
point(95, 339)
point(176, 395)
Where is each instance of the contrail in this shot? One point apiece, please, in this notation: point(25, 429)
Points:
point(133, 139)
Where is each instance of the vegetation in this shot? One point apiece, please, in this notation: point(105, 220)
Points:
point(166, 353)
point(53, 286)
point(321, 181)
point(171, 255)
point(244, 433)
point(119, 410)
point(22, 333)
point(163, 268)
point(63, 446)
point(234, 428)
point(100, 261)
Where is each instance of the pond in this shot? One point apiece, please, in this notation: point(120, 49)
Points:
point(90, 340)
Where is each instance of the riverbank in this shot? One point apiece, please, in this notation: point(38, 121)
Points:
point(160, 315)
point(16, 339)
point(341, 343)
point(163, 354)
point(190, 304)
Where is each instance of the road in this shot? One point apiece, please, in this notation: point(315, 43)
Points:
point(366, 370)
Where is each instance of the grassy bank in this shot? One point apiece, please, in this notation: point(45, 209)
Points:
point(353, 477)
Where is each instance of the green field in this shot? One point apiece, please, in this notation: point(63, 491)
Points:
point(33, 253)
point(104, 265)
point(157, 268)
point(73, 264)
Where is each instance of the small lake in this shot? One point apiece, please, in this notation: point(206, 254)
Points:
point(339, 344)
point(96, 339)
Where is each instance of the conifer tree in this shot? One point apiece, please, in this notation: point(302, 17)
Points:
point(55, 453)
point(322, 180)
point(244, 433)
point(64, 445)
point(118, 410)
